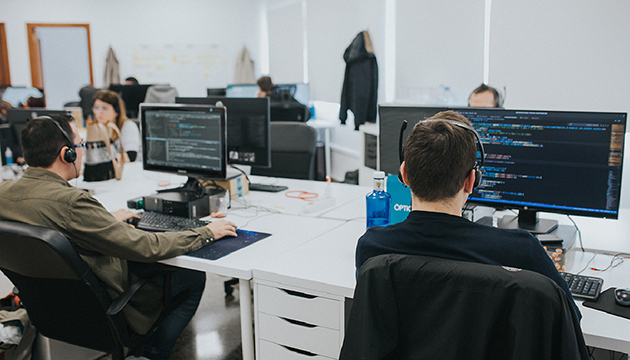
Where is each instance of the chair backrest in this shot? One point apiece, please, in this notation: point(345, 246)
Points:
point(63, 298)
point(416, 307)
point(293, 148)
point(161, 94)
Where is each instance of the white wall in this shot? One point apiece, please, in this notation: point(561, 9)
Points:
point(145, 27)
point(438, 44)
point(562, 55)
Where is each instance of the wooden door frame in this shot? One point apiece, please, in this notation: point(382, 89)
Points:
point(5, 74)
point(37, 78)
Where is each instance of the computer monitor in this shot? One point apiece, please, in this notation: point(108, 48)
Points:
point(17, 119)
point(299, 91)
point(241, 90)
point(184, 139)
point(216, 91)
point(248, 135)
point(564, 162)
point(390, 120)
point(132, 95)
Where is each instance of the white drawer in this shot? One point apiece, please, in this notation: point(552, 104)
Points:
point(296, 305)
point(272, 351)
point(314, 339)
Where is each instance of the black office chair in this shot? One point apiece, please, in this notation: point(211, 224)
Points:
point(293, 149)
point(63, 298)
point(416, 307)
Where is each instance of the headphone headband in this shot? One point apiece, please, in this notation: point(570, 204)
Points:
point(71, 154)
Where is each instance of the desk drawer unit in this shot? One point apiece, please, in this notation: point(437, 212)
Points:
point(293, 323)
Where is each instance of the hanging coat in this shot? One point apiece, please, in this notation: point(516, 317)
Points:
point(244, 69)
point(112, 72)
point(360, 83)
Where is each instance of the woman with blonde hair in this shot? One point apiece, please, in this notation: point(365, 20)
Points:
point(109, 107)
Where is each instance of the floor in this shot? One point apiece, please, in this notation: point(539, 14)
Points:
point(215, 331)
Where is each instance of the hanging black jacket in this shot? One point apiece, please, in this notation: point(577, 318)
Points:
point(360, 83)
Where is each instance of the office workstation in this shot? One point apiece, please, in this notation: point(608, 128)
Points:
point(313, 239)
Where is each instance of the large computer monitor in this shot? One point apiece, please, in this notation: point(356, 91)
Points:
point(299, 91)
point(132, 95)
point(184, 139)
point(553, 161)
point(248, 135)
point(17, 119)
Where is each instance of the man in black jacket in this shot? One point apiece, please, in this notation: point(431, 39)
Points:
point(440, 168)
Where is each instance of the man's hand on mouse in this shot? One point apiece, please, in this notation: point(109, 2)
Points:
point(222, 228)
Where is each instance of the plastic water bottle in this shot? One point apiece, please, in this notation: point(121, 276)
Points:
point(377, 202)
point(8, 155)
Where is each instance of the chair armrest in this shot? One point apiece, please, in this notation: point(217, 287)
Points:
point(121, 301)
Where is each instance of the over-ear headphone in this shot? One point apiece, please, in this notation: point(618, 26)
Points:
point(71, 154)
point(478, 165)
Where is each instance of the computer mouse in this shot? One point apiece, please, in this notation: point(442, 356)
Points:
point(622, 297)
point(133, 221)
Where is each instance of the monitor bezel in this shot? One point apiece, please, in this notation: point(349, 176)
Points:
point(190, 172)
point(513, 205)
point(211, 100)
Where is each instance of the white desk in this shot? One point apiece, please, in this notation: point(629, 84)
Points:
point(324, 267)
point(285, 218)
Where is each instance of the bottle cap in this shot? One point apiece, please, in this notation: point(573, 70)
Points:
point(379, 175)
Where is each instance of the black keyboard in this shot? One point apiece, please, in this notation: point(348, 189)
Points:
point(266, 187)
point(150, 221)
point(581, 286)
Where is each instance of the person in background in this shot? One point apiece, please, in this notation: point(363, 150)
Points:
point(109, 107)
point(131, 81)
point(485, 96)
point(265, 87)
point(116, 252)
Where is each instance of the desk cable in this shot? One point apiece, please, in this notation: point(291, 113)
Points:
point(578, 231)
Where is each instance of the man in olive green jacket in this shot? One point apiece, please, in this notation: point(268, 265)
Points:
point(115, 251)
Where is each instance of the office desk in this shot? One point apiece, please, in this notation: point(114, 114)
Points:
point(324, 268)
point(287, 219)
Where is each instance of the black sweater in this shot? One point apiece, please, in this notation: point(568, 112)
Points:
point(453, 237)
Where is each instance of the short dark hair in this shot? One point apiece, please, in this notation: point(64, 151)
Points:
point(439, 156)
point(133, 80)
point(265, 84)
point(42, 141)
point(483, 88)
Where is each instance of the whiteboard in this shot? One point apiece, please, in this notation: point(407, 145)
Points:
point(190, 68)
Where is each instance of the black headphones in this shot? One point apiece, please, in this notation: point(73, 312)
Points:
point(478, 165)
point(71, 154)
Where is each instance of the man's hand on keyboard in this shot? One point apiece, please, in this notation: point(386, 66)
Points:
point(124, 214)
point(222, 228)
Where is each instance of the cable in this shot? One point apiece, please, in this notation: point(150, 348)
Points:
point(243, 172)
point(579, 232)
point(616, 260)
point(587, 264)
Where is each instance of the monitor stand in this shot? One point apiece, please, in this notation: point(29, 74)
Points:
point(528, 220)
point(192, 186)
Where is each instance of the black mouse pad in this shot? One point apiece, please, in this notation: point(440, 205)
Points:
point(606, 302)
point(220, 248)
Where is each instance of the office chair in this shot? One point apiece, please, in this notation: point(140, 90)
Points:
point(161, 94)
point(63, 298)
point(416, 307)
point(293, 148)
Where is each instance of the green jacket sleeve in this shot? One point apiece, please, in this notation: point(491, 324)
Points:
point(91, 227)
